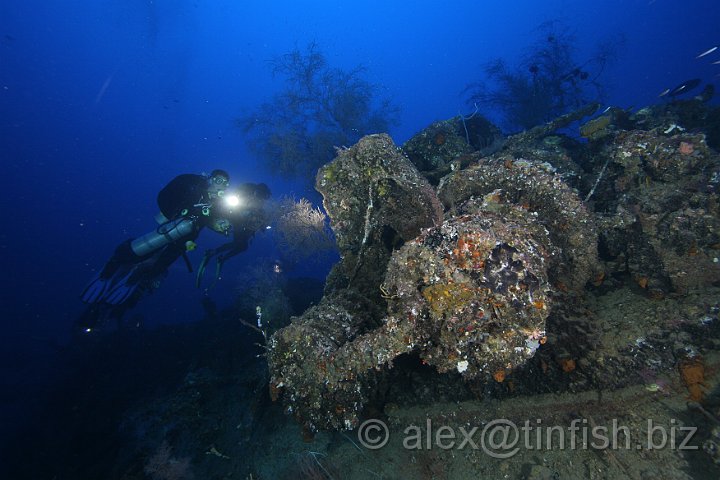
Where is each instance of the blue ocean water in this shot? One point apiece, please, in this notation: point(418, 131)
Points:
point(103, 102)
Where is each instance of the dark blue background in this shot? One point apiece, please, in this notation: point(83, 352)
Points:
point(103, 101)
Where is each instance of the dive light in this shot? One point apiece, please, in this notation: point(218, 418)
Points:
point(232, 200)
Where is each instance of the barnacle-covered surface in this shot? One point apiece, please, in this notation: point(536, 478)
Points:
point(470, 296)
point(660, 209)
point(509, 268)
point(506, 296)
point(375, 199)
point(437, 145)
point(442, 142)
point(445, 146)
point(690, 114)
point(302, 359)
point(535, 187)
point(476, 289)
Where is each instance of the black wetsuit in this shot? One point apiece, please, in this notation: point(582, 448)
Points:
point(182, 193)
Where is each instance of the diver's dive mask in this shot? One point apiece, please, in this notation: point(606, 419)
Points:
point(220, 180)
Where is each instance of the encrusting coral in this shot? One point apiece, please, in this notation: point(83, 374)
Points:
point(470, 295)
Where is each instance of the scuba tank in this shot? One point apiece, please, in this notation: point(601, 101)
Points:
point(163, 235)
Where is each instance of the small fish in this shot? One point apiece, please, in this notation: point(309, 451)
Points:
point(686, 86)
point(664, 92)
point(707, 52)
point(716, 62)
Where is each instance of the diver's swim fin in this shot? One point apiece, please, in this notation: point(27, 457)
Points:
point(120, 294)
point(113, 291)
point(120, 290)
point(95, 291)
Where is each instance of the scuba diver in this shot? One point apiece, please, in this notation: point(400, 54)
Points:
point(187, 204)
point(245, 223)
